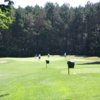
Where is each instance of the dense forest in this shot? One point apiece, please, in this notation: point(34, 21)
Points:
point(52, 29)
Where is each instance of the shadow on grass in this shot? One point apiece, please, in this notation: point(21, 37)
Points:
point(88, 63)
point(3, 95)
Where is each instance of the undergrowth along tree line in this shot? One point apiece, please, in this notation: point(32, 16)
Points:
point(52, 29)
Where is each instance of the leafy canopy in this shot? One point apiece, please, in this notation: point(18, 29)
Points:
point(5, 18)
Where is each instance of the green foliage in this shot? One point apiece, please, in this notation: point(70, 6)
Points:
point(51, 29)
point(5, 18)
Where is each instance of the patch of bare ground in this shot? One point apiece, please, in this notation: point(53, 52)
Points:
point(2, 62)
point(86, 60)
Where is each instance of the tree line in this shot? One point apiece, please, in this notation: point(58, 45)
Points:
point(52, 29)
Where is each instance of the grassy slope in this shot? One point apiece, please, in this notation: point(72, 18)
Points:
point(28, 79)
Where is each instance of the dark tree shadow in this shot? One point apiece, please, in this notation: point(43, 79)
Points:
point(3, 95)
point(88, 63)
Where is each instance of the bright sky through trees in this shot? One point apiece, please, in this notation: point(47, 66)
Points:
point(72, 3)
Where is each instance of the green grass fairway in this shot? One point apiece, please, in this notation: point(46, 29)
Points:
point(29, 79)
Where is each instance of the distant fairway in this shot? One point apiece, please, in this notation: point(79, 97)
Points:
point(28, 79)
